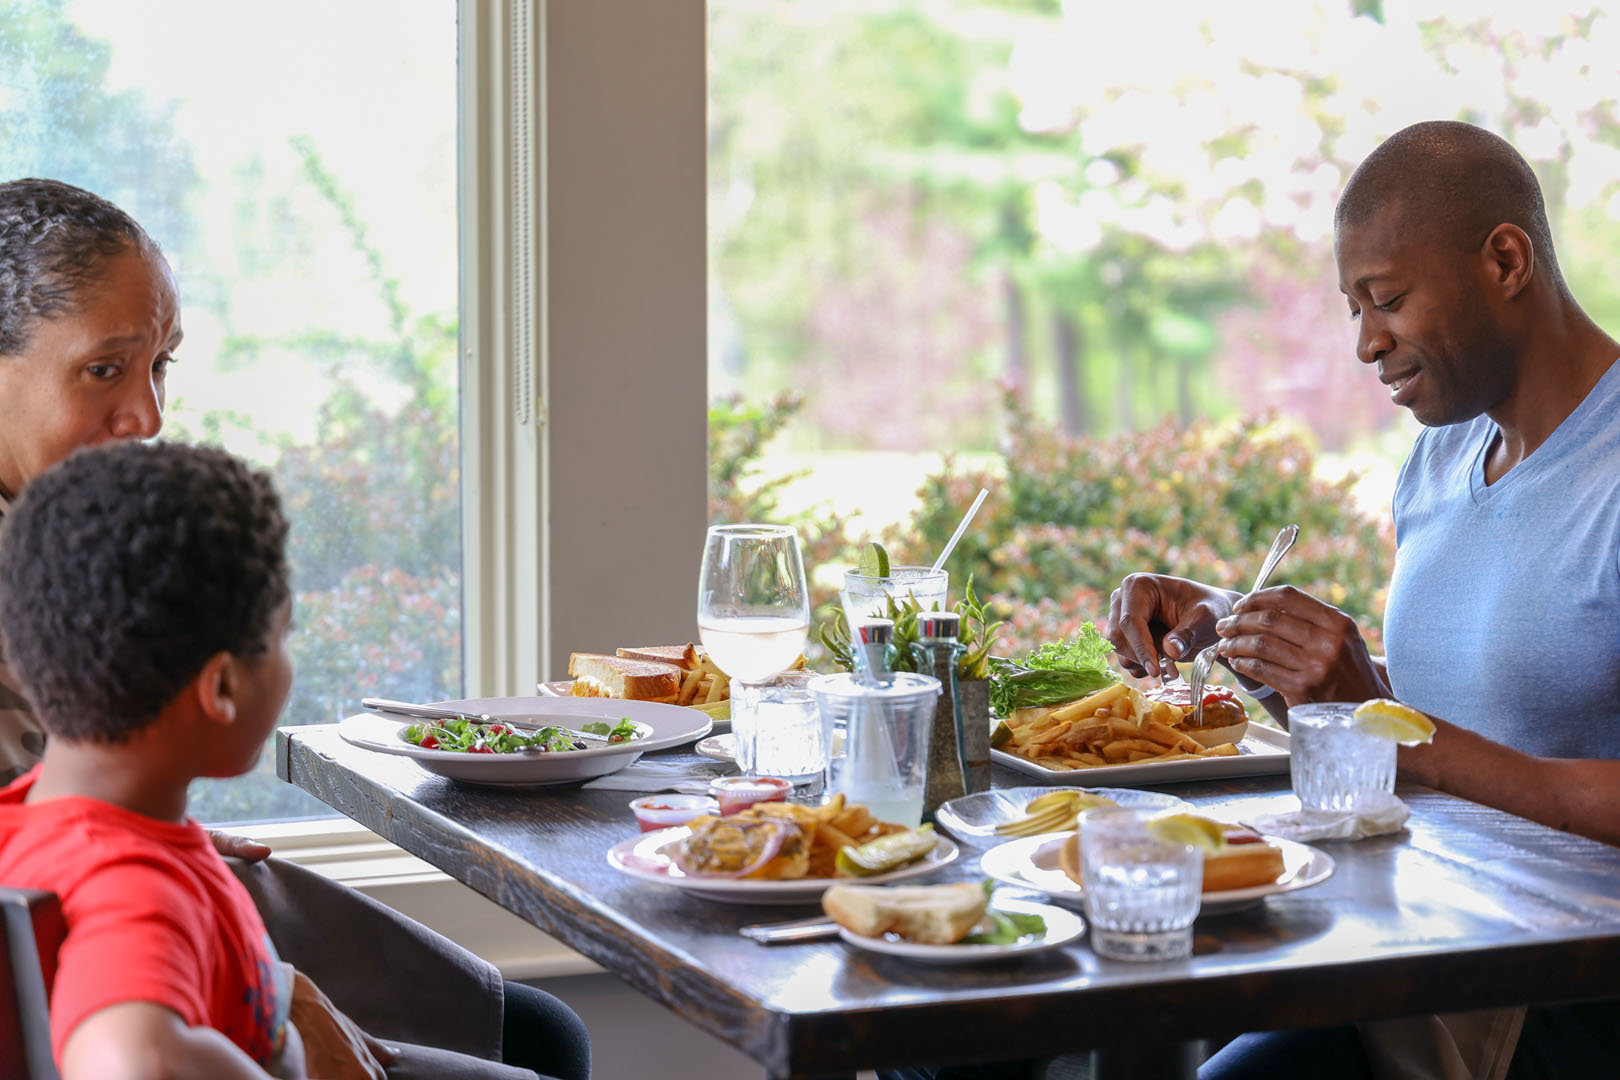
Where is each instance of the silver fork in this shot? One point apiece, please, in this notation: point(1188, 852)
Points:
point(1206, 659)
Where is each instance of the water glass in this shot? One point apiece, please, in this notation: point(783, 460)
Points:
point(1331, 762)
point(866, 597)
point(886, 735)
point(778, 731)
point(1141, 894)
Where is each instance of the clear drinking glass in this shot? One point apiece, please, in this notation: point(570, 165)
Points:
point(1331, 763)
point(886, 735)
point(781, 733)
point(753, 612)
point(1141, 893)
point(865, 596)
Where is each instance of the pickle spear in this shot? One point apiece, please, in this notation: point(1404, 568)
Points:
point(886, 852)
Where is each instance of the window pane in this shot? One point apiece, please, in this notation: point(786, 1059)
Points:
point(304, 189)
point(1123, 212)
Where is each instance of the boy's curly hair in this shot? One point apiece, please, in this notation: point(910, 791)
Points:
point(124, 568)
point(55, 240)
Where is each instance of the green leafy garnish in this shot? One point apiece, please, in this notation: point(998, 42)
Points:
point(1007, 928)
point(470, 737)
point(595, 727)
point(1054, 673)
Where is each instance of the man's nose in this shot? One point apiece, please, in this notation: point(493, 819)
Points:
point(139, 414)
point(1373, 342)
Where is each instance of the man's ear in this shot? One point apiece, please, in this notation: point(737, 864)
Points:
point(216, 688)
point(1508, 258)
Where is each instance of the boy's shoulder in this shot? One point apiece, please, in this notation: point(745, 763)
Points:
point(71, 845)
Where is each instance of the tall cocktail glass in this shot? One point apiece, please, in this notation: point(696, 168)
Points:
point(865, 596)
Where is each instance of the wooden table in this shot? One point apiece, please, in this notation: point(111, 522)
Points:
point(1468, 908)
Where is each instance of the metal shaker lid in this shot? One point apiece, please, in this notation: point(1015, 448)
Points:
point(938, 624)
point(876, 631)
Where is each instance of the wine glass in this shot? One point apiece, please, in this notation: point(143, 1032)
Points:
point(753, 612)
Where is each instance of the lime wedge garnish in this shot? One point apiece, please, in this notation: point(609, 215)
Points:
point(874, 561)
point(1188, 829)
point(1393, 720)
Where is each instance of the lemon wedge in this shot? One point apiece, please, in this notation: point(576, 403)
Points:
point(1392, 720)
point(1188, 829)
point(718, 710)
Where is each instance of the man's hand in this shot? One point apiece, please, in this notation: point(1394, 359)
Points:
point(1301, 647)
point(334, 1047)
point(1153, 615)
point(240, 846)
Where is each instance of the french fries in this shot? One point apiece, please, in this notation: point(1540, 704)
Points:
point(1114, 726)
point(704, 683)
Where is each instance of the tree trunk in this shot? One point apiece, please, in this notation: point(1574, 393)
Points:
point(1184, 392)
point(1071, 385)
point(1017, 331)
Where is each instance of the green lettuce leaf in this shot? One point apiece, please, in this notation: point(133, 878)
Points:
point(1056, 672)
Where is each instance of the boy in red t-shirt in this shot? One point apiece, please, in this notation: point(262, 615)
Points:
point(144, 605)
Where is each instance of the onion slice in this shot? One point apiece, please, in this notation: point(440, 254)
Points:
point(776, 833)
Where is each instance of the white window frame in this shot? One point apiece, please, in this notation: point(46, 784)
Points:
point(584, 425)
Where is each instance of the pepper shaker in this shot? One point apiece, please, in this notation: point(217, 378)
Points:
point(937, 651)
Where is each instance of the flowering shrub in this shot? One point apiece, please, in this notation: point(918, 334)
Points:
point(1069, 518)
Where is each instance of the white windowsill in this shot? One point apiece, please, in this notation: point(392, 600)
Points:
point(353, 855)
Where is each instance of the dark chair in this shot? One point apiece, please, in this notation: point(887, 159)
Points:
point(33, 932)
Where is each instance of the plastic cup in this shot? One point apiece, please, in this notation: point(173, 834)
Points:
point(885, 746)
point(1142, 894)
point(1332, 763)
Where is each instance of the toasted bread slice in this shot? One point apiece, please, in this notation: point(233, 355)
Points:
point(931, 914)
point(682, 656)
point(599, 675)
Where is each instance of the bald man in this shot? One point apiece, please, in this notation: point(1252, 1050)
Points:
point(1504, 611)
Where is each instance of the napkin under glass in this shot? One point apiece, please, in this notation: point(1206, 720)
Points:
point(1374, 814)
point(690, 779)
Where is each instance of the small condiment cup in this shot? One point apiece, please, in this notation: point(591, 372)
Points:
point(654, 812)
point(736, 793)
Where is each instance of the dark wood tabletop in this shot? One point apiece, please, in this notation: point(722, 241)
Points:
point(1466, 908)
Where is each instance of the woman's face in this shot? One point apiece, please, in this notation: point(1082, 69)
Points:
point(93, 374)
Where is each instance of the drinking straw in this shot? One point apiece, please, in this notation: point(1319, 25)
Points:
point(960, 529)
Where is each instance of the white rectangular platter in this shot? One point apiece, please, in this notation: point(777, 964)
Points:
point(1263, 751)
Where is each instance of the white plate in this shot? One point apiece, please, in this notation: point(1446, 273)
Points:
point(1062, 927)
point(1263, 751)
point(975, 817)
point(561, 688)
point(646, 858)
point(665, 725)
point(1031, 862)
point(721, 747)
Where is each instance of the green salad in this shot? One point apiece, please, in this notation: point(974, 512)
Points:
point(473, 737)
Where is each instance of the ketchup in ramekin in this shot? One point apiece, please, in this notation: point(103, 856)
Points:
point(740, 792)
point(654, 812)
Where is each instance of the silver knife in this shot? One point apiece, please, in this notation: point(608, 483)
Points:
point(432, 712)
point(783, 933)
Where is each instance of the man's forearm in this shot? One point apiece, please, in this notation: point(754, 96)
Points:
point(1578, 795)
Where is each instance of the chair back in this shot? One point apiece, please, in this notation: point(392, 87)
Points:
point(33, 932)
